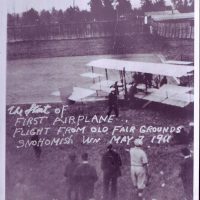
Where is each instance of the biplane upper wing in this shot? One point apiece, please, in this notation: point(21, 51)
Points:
point(91, 75)
point(143, 67)
point(80, 93)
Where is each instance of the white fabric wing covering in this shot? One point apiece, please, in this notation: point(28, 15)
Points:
point(80, 93)
point(172, 95)
point(91, 75)
point(143, 67)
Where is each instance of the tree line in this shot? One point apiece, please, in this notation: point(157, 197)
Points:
point(100, 10)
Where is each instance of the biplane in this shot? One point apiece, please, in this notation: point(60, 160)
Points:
point(171, 93)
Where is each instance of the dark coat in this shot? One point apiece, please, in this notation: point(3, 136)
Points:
point(85, 176)
point(132, 91)
point(111, 163)
point(85, 173)
point(69, 172)
point(163, 81)
point(112, 99)
point(186, 175)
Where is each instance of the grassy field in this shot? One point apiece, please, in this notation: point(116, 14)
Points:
point(33, 80)
point(29, 179)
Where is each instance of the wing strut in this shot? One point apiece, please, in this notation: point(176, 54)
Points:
point(125, 88)
point(106, 73)
point(93, 72)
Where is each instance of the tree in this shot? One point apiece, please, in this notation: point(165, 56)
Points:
point(45, 17)
point(96, 9)
point(159, 5)
point(54, 15)
point(72, 14)
point(108, 9)
point(85, 16)
point(184, 5)
point(60, 17)
point(147, 5)
point(124, 7)
point(30, 17)
point(11, 19)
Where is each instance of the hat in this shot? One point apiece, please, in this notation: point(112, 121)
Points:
point(185, 151)
point(112, 89)
point(138, 142)
point(191, 124)
point(180, 128)
point(109, 146)
point(84, 156)
point(72, 156)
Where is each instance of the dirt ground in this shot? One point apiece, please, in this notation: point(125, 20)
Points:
point(28, 178)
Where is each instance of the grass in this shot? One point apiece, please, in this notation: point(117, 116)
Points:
point(33, 80)
point(44, 179)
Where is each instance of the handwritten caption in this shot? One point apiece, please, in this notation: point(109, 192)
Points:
point(44, 125)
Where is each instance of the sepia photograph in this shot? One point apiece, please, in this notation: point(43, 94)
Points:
point(100, 100)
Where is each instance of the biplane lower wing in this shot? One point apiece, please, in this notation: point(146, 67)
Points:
point(171, 95)
point(80, 93)
point(170, 90)
point(155, 98)
point(177, 103)
point(180, 100)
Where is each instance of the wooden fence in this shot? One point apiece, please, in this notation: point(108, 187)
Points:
point(181, 30)
point(175, 29)
point(74, 30)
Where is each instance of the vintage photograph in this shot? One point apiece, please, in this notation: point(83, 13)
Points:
point(100, 100)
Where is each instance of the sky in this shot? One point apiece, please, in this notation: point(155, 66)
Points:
point(19, 6)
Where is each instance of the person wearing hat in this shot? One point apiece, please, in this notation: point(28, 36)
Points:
point(69, 174)
point(110, 164)
point(139, 162)
point(132, 92)
point(180, 136)
point(113, 102)
point(186, 173)
point(163, 81)
point(86, 176)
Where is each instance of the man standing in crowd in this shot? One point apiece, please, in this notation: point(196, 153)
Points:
point(132, 92)
point(85, 176)
point(139, 170)
point(148, 80)
point(110, 164)
point(116, 87)
point(113, 103)
point(181, 137)
point(186, 173)
point(69, 174)
point(163, 81)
